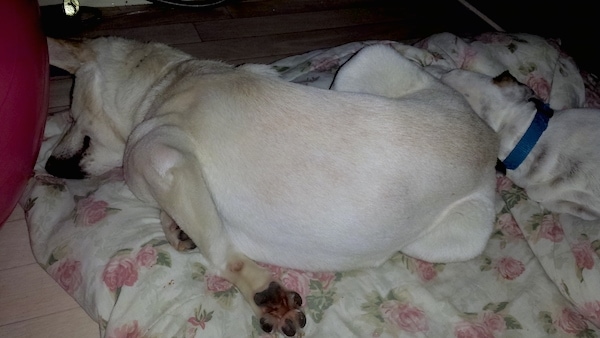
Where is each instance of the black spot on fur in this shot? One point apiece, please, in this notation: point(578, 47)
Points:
point(558, 180)
point(573, 169)
point(540, 156)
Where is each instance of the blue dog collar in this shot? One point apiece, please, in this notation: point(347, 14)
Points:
point(531, 136)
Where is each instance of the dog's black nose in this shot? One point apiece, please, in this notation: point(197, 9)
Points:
point(65, 167)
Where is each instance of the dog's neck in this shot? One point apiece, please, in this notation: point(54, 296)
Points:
point(511, 125)
point(531, 136)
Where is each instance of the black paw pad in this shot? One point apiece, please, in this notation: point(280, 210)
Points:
point(265, 325)
point(288, 328)
point(280, 309)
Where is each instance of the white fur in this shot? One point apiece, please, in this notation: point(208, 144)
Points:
point(562, 172)
point(250, 166)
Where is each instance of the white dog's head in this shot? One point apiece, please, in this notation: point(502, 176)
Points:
point(499, 101)
point(112, 78)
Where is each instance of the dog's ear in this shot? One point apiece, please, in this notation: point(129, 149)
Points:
point(67, 54)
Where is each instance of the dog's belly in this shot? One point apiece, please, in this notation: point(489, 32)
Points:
point(327, 239)
point(313, 222)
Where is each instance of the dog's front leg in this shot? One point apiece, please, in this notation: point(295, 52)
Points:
point(157, 169)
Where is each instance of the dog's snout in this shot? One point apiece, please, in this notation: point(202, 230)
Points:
point(64, 167)
point(68, 167)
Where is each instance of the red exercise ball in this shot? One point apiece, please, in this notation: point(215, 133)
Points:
point(23, 97)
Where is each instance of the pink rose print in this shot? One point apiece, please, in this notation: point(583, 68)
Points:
point(324, 64)
point(425, 270)
point(200, 318)
point(90, 211)
point(404, 316)
point(275, 270)
point(67, 274)
point(146, 257)
point(494, 38)
point(550, 229)
point(509, 227)
point(472, 330)
point(539, 85)
point(120, 271)
point(493, 321)
point(486, 324)
point(503, 183)
point(509, 268)
point(592, 97)
point(591, 312)
point(297, 281)
point(217, 284)
point(196, 322)
point(467, 57)
point(570, 321)
point(130, 330)
point(584, 254)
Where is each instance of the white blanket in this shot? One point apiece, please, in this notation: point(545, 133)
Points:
point(538, 277)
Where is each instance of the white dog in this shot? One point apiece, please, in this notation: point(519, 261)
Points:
point(253, 168)
point(554, 158)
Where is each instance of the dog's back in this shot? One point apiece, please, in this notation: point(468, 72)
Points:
point(351, 178)
point(341, 168)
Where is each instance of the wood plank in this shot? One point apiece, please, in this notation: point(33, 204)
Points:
point(155, 15)
point(15, 249)
point(299, 22)
point(170, 34)
point(28, 292)
point(260, 60)
point(255, 8)
point(263, 46)
point(74, 323)
point(296, 43)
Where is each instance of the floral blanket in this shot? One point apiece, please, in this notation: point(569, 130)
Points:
point(538, 277)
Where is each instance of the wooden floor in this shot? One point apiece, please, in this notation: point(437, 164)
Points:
point(31, 303)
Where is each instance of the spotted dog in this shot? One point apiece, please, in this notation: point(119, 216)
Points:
point(553, 155)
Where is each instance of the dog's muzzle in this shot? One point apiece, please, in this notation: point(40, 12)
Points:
point(68, 167)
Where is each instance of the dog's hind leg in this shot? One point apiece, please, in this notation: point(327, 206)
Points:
point(460, 232)
point(156, 168)
point(382, 70)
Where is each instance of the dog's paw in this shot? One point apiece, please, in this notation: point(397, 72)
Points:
point(175, 236)
point(183, 242)
point(280, 310)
